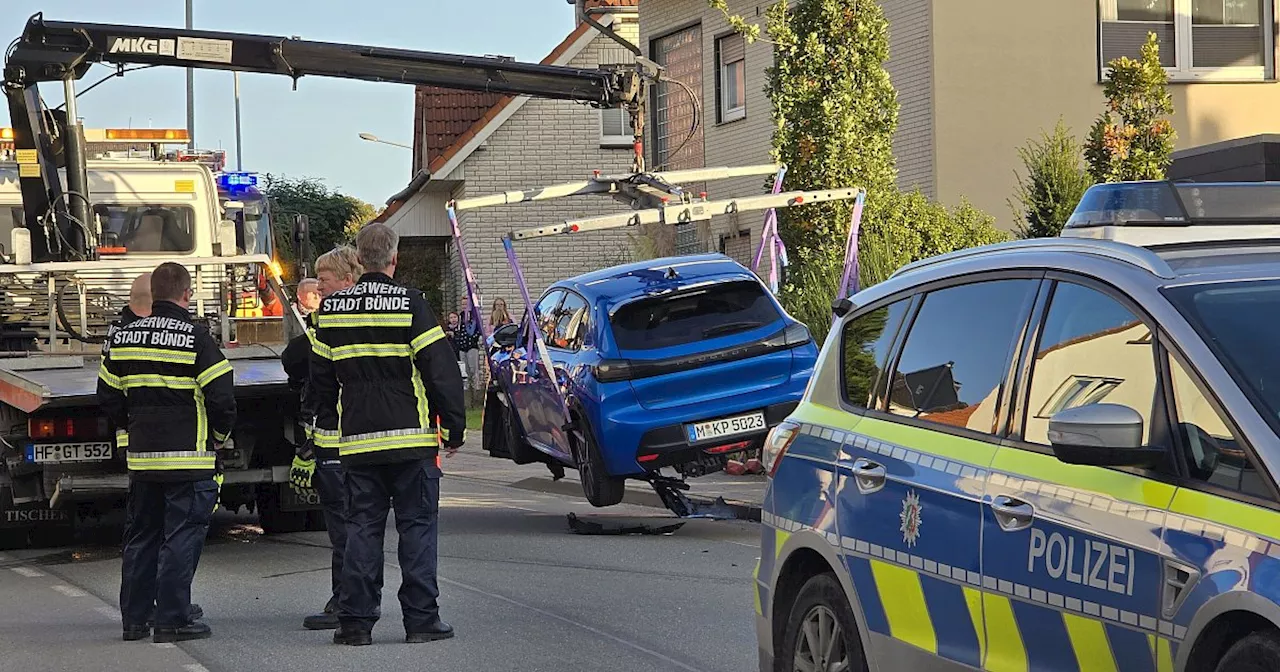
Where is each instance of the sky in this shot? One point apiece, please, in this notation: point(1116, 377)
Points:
point(311, 132)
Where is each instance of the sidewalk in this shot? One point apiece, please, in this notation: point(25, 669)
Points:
point(50, 625)
point(744, 494)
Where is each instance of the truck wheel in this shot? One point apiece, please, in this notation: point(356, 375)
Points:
point(598, 486)
point(272, 518)
point(1257, 652)
point(821, 633)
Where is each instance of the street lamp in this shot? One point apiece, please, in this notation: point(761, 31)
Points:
point(373, 138)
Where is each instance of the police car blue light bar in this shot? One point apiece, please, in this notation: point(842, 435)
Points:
point(233, 180)
point(1149, 213)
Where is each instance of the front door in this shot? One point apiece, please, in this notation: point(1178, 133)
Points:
point(533, 384)
point(913, 469)
point(1071, 554)
point(567, 326)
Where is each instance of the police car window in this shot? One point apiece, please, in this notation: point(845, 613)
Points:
point(570, 323)
point(866, 348)
point(957, 353)
point(1213, 454)
point(146, 228)
point(1091, 350)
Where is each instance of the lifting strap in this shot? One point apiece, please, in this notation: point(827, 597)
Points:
point(535, 350)
point(769, 237)
point(473, 288)
point(849, 280)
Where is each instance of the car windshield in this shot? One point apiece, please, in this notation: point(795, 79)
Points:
point(1241, 323)
point(688, 316)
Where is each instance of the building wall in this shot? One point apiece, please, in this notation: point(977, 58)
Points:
point(544, 142)
point(910, 69)
point(988, 104)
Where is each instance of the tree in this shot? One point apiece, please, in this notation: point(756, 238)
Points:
point(1055, 181)
point(332, 217)
point(1139, 146)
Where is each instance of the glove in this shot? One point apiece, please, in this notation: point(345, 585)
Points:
point(217, 478)
point(300, 473)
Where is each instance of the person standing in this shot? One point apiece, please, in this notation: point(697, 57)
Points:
point(170, 393)
point(498, 315)
point(316, 461)
point(467, 342)
point(139, 306)
point(382, 357)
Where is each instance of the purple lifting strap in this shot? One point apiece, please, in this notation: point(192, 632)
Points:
point(535, 334)
point(849, 282)
point(769, 238)
point(469, 278)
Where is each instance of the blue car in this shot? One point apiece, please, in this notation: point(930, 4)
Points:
point(681, 362)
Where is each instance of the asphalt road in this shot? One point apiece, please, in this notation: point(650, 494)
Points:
point(523, 592)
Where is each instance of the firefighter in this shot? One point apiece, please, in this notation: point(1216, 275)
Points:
point(335, 270)
point(169, 391)
point(139, 306)
point(381, 357)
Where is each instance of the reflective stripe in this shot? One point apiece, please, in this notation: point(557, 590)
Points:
point(420, 392)
point(346, 321)
point(212, 373)
point(156, 380)
point(379, 441)
point(426, 338)
point(325, 438)
point(371, 350)
point(219, 436)
point(904, 606)
point(973, 600)
point(171, 461)
point(321, 349)
point(1163, 652)
point(122, 439)
point(131, 354)
point(1089, 640)
point(1005, 650)
point(109, 378)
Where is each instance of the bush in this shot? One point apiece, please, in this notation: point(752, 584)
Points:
point(1054, 183)
point(1140, 145)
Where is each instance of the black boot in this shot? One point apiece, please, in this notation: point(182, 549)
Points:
point(182, 634)
point(351, 636)
point(196, 613)
point(326, 620)
point(436, 631)
point(133, 633)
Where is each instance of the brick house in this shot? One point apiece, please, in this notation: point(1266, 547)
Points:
point(472, 144)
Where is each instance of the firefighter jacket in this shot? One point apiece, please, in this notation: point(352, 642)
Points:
point(170, 393)
point(127, 317)
point(382, 367)
point(296, 359)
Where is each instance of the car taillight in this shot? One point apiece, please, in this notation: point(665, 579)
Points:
point(776, 444)
point(612, 370)
point(66, 428)
point(793, 335)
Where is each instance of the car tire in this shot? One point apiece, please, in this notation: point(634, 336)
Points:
point(822, 601)
point(1257, 652)
point(598, 486)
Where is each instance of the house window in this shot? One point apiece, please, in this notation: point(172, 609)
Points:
point(677, 141)
point(731, 78)
point(1200, 40)
point(616, 130)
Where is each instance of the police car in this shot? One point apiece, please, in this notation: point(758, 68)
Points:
point(1054, 454)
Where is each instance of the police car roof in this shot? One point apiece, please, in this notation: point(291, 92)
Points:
point(619, 283)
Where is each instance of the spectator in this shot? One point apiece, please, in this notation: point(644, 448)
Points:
point(308, 296)
point(498, 315)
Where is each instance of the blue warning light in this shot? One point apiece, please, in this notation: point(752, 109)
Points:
point(235, 181)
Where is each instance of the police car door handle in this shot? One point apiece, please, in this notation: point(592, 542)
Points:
point(868, 475)
point(1012, 514)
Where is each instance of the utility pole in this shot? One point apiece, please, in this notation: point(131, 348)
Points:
point(239, 150)
point(191, 91)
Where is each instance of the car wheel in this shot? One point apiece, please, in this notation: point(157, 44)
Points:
point(598, 486)
point(821, 633)
point(1258, 652)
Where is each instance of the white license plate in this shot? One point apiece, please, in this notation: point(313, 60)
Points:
point(69, 452)
point(715, 429)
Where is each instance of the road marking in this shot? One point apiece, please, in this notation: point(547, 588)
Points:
point(108, 611)
point(164, 645)
point(69, 591)
point(28, 572)
point(195, 667)
point(569, 621)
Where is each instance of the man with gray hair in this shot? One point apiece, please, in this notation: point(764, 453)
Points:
point(380, 355)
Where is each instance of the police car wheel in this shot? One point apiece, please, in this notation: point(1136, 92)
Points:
point(1258, 652)
point(821, 635)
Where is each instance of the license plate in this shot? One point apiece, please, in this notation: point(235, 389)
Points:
point(715, 429)
point(68, 452)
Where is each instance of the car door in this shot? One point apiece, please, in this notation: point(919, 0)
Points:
point(533, 389)
point(567, 327)
point(1072, 554)
point(912, 471)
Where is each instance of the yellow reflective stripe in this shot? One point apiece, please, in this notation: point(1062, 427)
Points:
point(156, 380)
point(1227, 512)
point(755, 588)
point(137, 463)
point(211, 374)
point(109, 378)
point(134, 354)
point(444, 433)
point(904, 605)
point(122, 439)
point(219, 436)
point(387, 443)
point(1117, 484)
point(1005, 651)
point(780, 538)
point(325, 438)
point(1089, 641)
point(1163, 652)
point(426, 338)
point(202, 421)
point(371, 350)
point(818, 414)
point(973, 600)
point(344, 321)
point(420, 392)
point(321, 349)
point(929, 441)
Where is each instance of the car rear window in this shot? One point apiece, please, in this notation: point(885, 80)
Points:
point(688, 316)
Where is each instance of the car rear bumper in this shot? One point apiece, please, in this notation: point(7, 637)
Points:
point(670, 443)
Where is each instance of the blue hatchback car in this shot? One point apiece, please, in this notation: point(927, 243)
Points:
point(680, 362)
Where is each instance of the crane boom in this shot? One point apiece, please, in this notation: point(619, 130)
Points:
point(52, 51)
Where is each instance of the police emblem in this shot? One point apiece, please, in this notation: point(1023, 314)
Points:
point(910, 518)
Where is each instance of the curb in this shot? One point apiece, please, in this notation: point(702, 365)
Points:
point(635, 496)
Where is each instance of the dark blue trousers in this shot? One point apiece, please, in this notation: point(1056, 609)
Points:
point(164, 536)
point(331, 484)
point(412, 489)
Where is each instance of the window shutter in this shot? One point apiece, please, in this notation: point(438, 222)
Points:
point(732, 48)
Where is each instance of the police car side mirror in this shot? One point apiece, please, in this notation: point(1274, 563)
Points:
point(505, 335)
point(1101, 435)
